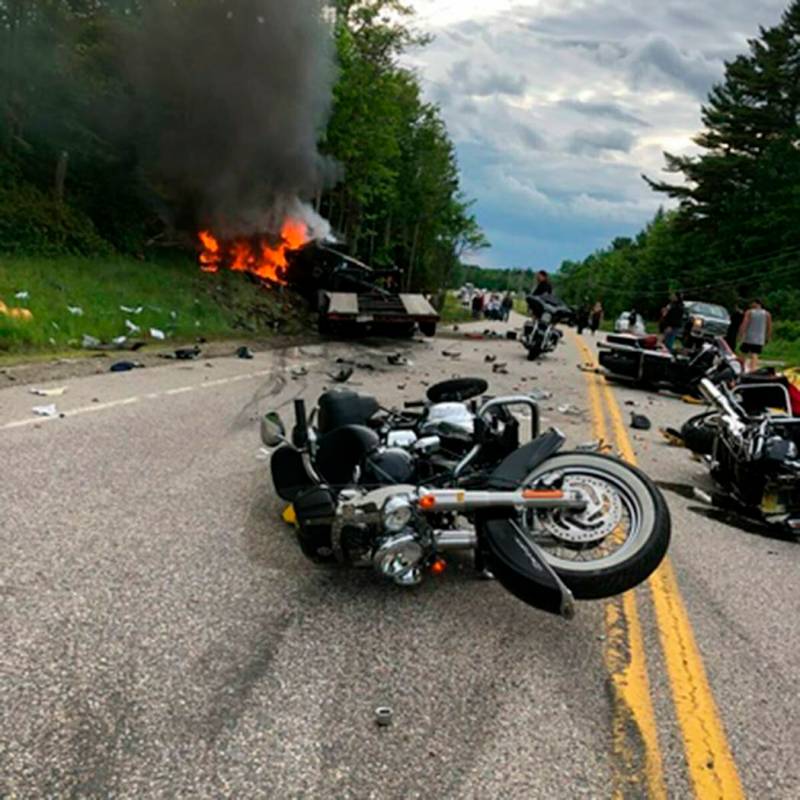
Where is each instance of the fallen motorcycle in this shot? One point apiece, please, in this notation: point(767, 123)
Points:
point(551, 526)
point(540, 334)
point(752, 449)
point(645, 362)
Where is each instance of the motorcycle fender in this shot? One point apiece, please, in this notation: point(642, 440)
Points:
point(519, 566)
point(512, 471)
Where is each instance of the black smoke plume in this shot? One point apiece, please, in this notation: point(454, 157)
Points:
point(230, 98)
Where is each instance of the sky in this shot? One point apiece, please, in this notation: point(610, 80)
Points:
point(558, 107)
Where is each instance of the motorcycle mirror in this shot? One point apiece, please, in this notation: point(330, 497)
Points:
point(273, 431)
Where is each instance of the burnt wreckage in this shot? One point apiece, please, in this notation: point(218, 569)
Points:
point(351, 297)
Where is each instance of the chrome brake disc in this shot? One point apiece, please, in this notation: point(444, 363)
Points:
point(601, 517)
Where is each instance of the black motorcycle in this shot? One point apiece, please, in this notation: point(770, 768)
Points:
point(751, 443)
point(643, 361)
point(551, 526)
point(540, 334)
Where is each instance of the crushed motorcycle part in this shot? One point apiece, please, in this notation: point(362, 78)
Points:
point(383, 716)
point(640, 422)
point(244, 352)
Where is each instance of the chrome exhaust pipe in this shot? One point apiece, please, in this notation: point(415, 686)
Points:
point(451, 541)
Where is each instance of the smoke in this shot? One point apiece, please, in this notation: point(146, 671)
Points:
point(230, 98)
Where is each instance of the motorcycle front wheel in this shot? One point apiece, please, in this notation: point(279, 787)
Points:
point(617, 541)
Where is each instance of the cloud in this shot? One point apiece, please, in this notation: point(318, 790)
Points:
point(591, 142)
point(489, 82)
point(557, 107)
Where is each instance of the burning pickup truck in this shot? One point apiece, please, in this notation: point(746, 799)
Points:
point(352, 297)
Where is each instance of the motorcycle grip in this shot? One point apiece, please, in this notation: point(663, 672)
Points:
point(301, 422)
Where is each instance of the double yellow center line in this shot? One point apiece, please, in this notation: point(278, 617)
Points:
point(638, 768)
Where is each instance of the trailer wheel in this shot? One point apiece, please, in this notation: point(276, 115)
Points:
point(427, 328)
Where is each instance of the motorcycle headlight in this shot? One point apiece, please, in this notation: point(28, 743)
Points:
point(697, 323)
point(546, 317)
point(396, 514)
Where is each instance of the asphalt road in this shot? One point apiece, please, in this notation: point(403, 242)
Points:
point(161, 634)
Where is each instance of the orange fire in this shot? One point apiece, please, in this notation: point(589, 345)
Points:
point(259, 255)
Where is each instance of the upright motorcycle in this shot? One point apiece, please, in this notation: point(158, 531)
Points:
point(540, 334)
point(551, 526)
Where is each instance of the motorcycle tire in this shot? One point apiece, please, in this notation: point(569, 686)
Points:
point(637, 559)
point(699, 432)
point(534, 351)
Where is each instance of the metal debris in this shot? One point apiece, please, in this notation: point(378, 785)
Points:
point(383, 716)
point(640, 422)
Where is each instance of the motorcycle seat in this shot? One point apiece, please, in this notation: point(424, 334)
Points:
point(344, 407)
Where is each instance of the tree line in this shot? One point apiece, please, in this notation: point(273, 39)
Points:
point(733, 234)
point(70, 184)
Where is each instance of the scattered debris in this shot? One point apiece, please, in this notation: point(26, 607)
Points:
point(244, 352)
point(263, 454)
point(132, 327)
point(119, 341)
point(90, 342)
point(49, 392)
point(500, 369)
point(187, 353)
point(511, 336)
point(298, 372)
point(489, 358)
point(135, 311)
point(631, 403)
point(640, 422)
point(76, 311)
point(45, 411)
point(540, 394)
point(368, 367)
point(342, 376)
point(397, 359)
point(125, 366)
point(570, 410)
point(157, 334)
point(451, 354)
point(694, 401)
point(598, 446)
point(22, 295)
point(673, 437)
point(383, 716)
point(590, 368)
point(456, 329)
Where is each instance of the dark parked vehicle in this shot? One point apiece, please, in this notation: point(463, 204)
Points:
point(704, 321)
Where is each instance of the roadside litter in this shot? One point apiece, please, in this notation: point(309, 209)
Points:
point(540, 394)
point(673, 437)
point(157, 334)
point(133, 328)
point(126, 309)
point(383, 716)
point(500, 369)
point(342, 376)
point(183, 354)
point(570, 410)
point(22, 295)
point(640, 422)
point(298, 372)
point(45, 411)
point(451, 354)
point(489, 358)
point(90, 342)
point(244, 352)
point(397, 360)
point(120, 343)
point(598, 446)
point(76, 311)
point(125, 366)
point(49, 392)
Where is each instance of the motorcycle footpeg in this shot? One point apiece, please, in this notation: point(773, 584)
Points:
point(520, 566)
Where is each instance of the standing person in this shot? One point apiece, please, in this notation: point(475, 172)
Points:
point(477, 305)
point(508, 304)
point(673, 320)
point(733, 329)
point(754, 332)
point(596, 317)
point(543, 285)
point(583, 316)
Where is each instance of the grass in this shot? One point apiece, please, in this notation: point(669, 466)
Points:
point(453, 311)
point(174, 295)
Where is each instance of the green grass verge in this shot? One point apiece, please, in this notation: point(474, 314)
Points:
point(175, 297)
point(453, 311)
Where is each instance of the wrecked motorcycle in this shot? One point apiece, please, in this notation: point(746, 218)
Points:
point(550, 526)
point(751, 442)
point(643, 361)
point(540, 334)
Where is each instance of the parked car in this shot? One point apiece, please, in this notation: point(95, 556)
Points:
point(623, 324)
point(704, 320)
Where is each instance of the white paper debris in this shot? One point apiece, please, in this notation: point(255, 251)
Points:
point(76, 311)
point(157, 334)
point(49, 392)
point(131, 327)
point(138, 310)
point(22, 295)
point(45, 411)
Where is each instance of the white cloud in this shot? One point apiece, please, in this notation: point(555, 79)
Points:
point(558, 106)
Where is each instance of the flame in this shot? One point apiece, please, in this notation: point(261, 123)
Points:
point(260, 255)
